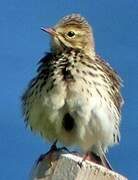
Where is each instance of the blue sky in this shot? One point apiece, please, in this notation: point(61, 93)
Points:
point(22, 44)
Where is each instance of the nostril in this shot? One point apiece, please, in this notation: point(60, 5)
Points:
point(68, 122)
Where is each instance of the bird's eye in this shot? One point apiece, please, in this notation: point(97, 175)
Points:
point(71, 34)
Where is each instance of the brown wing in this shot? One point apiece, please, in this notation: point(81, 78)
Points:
point(115, 82)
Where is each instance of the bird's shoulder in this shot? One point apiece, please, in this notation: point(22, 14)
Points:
point(45, 61)
point(42, 73)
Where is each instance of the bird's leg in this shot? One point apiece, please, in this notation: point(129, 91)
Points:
point(49, 153)
point(53, 147)
point(101, 160)
point(88, 156)
point(104, 160)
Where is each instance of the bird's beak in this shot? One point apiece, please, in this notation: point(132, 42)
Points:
point(50, 31)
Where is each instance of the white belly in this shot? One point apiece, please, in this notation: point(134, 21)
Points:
point(94, 120)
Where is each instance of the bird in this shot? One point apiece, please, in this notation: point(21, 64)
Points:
point(75, 97)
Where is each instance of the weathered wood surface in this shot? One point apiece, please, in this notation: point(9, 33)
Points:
point(64, 166)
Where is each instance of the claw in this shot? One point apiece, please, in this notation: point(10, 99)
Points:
point(80, 163)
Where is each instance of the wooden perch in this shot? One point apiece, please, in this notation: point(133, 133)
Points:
point(60, 165)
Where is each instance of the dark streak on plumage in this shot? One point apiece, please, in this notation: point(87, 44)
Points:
point(90, 83)
point(88, 91)
point(84, 80)
point(91, 66)
point(91, 74)
point(99, 93)
point(84, 72)
point(96, 83)
point(77, 70)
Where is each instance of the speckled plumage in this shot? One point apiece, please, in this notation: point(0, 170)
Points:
point(75, 96)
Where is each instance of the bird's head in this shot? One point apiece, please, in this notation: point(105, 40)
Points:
point(72, 31)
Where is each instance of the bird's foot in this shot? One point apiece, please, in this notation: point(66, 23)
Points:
point(64, 149)
point(53, 148)
point(86, 157)
point(80, 163)
point(90, 157)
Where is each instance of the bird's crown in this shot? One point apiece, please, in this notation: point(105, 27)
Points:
point(73, 19)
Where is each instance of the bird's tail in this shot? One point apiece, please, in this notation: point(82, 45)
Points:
point(102, 160)
point(105, 162)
